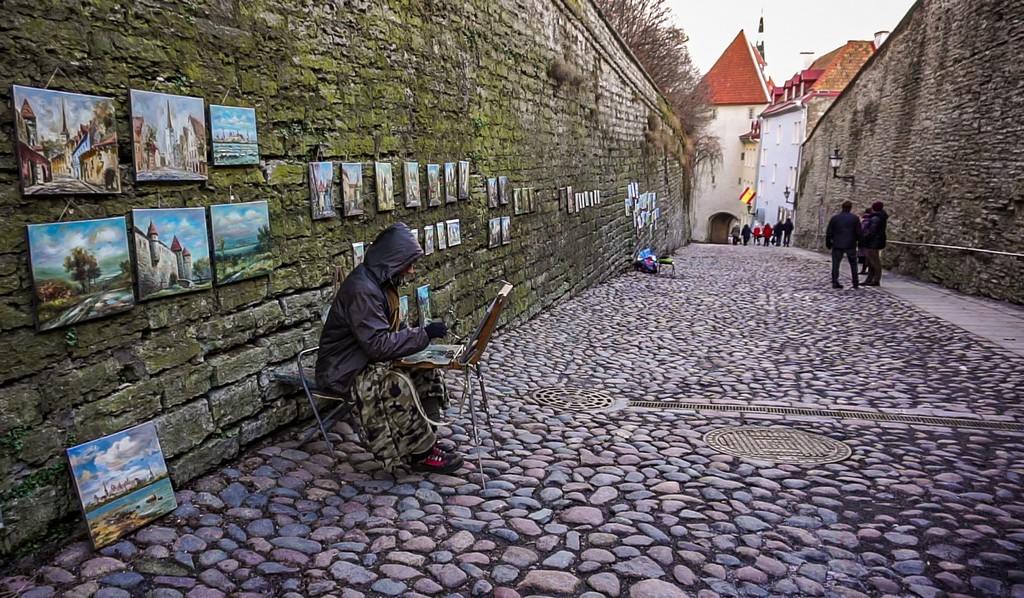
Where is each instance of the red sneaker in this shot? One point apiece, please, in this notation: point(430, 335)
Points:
point(438, 460)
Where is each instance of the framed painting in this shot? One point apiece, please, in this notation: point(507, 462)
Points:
point(80, 270)
point(492, 192)
point(241, 241)
point(352, 189)
point(454, 232)
point(531, 199)
point(450, 192)
point(122, 482)
point(403, 309)
point(463, 179)
point(321, 189)
point(172, 251)
point(411, 179)
point(66, 143)
point(423, 303)
point(503, 190)
point(168, 137)
point(415, 233)
point(428, 240)
point(434, 185)
point(494, 233)
point(233, 136)
point(506, 230)
point(385, 186)
point(442, 239)
point(518, 205)
point(358, 253)
point(570, 201)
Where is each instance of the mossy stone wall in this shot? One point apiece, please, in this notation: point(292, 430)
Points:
point(340, 80)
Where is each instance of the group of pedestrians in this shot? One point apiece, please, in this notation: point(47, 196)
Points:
point(847, 235)
point(778, 235)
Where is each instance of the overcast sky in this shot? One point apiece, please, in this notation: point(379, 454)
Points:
point(790, 27)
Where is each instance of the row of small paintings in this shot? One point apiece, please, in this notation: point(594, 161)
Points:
point(85, 269)
point(322, 177)
point(448, 234)
point(499, 231)
point(67, 143)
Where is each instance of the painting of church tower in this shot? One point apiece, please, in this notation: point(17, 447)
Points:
point(168, 136)
point(172, 251)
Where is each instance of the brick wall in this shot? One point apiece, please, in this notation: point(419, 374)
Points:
point(931, 127)
point(352, 81)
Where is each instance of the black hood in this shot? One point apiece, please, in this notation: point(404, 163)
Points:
point(392, 251)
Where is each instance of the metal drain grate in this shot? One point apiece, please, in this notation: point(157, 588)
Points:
point(779, 445)
point(956, 422)
point(577, 399)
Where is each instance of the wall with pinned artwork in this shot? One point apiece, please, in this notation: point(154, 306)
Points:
point(478, 89)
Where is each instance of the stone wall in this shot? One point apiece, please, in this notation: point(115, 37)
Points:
point(540, 91)
point(931, 127)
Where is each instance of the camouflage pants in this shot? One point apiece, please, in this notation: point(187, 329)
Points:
point(392, 424)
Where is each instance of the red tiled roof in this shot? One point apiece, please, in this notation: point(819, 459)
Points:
point(175, 245)
point(152, 229)
point(737, 78)
point(840, 65)
point(26, 110)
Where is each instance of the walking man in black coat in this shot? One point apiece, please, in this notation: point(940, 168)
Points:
point(842, 236)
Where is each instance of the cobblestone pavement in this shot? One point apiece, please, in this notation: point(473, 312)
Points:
point(633, 502)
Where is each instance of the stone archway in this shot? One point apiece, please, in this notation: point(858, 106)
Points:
point(719, 226)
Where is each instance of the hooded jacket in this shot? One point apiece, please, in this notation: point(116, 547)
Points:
point(358, 327)
point(874, 234)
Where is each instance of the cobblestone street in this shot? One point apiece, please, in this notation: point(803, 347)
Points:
point(631, 501)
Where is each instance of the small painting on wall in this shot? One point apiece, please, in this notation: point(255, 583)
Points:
point(411, 178)
point(358, 253)
point(428, 240)
point(434, 185)
point(241, 241)
point(122, 482)
point(403, 309)
point(503, 190)
point(172, 251)
point(385, 186)
point(321, 189)
point(450, 192)
point(415, 233)
point(352, 189)
point(65, 142)
point(168, 137)
point(80, 270)
point(423, 303)
point(454, 232)
point(494, 232)
point(570, 201)
point(442, 240)
point(506, 230)
point(233, 130)
point(492, 192)
point(463, 179)
point(518, 205)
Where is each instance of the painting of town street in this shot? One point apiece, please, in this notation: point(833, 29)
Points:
point(168, 137)
point(66, 142)
point(241, 241)
point(80, 270)
point(233, 130)
point(122, 482)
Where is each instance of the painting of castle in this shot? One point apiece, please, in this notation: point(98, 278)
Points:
point(66, 142)
point(80, 270)
point(241, 241)
point(233, 130)
point(122, 482)
point(321, 189)
point(168, 137)
point(172, 251)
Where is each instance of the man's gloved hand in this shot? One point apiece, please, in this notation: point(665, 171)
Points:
point(436, 329)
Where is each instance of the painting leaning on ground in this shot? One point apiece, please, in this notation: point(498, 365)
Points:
point(241, 241)
point(66, 142)
point(80, 270)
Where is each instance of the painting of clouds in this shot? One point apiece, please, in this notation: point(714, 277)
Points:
point(122, 482)
point(168, 137)
point(241, 241)
point(172, 251)
point(233, 130)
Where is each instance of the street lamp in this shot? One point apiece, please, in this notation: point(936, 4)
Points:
point(835, 160)
point(786, 193)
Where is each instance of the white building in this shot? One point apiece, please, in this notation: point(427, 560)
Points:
point(738, 91)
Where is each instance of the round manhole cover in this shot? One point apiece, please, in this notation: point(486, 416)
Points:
point(780, 445)
point(577, 399)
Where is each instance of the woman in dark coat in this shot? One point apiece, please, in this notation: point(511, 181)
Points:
point(746, 234)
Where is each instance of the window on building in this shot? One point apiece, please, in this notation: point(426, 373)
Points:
point(779, 138)
point(764, 157)
point(743, 157)
point(797, 129)
point(750, 113)
point(775, 173)
point(739, 180)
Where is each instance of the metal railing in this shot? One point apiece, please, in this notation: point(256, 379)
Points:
point(975, 249)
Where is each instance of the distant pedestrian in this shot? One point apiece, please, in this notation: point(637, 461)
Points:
point(757, 235)
point(745, 233)
point(787, 231)
point(777, 233)
point(767, 232)
point(842, 235)
point(861, 257)
point(735, 234)
point(874, 243)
